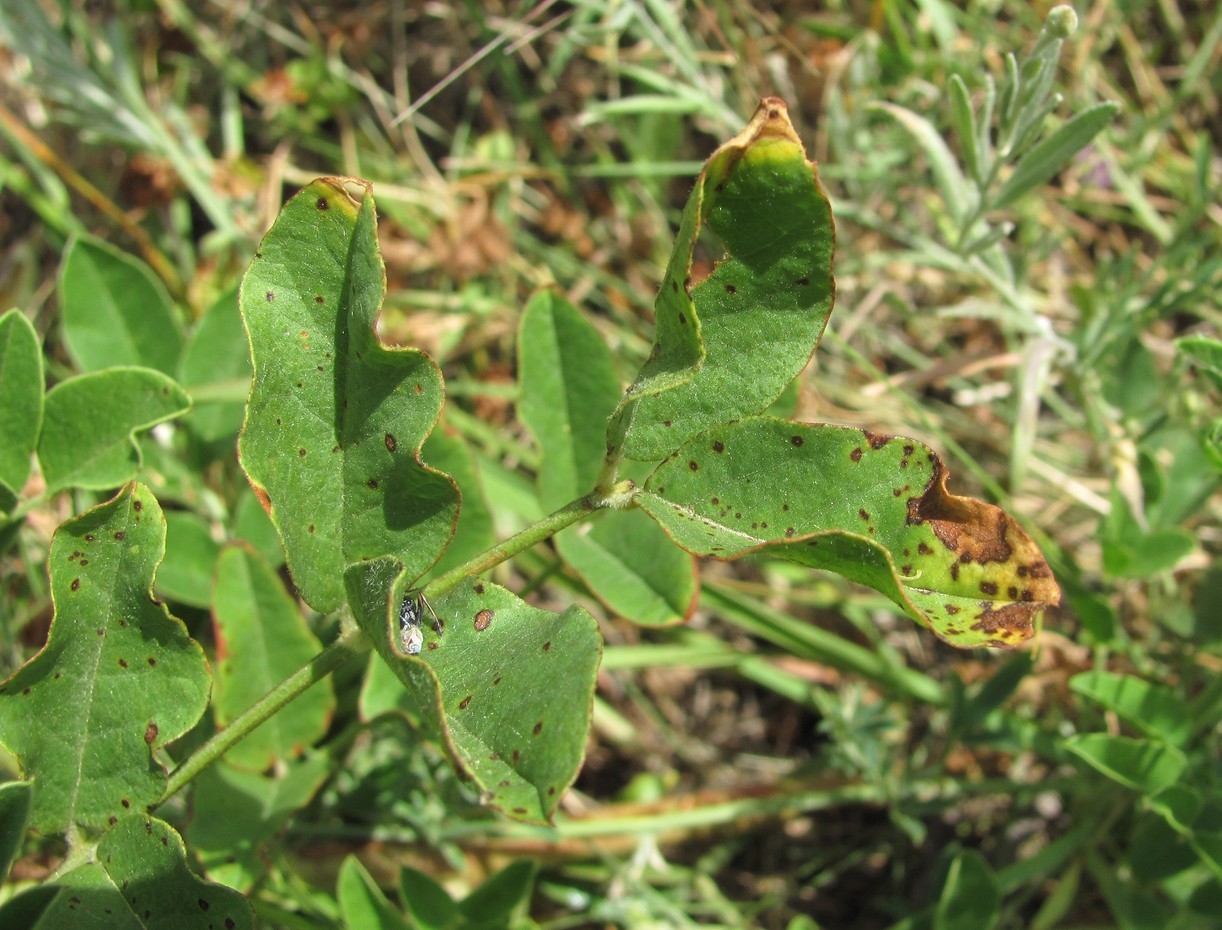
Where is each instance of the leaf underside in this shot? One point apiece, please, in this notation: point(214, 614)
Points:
point(872, 508)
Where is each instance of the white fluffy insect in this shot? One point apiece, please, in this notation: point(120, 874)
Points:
point(411, 633)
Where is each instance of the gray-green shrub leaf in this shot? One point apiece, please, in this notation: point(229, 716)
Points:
point(1047, 158)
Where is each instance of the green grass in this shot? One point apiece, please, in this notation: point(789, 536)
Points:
point(798, 754)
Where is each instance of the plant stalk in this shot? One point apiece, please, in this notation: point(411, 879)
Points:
point(350, 644)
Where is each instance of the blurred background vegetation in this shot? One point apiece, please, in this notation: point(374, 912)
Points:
point(798, 754)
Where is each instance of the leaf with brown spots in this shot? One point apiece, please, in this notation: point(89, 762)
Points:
point(116, 669)
point(761, 312)
point(507, 688)
point(139, 878)
point(873, 508)
point(336, 420)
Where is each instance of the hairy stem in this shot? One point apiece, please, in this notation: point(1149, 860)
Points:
point(538, 531)
point(351, 643)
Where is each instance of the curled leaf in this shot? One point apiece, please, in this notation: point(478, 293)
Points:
point(872, 508)
point(728, 344)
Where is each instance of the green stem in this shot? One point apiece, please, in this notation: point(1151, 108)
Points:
point(351, 643)
point(538, 531)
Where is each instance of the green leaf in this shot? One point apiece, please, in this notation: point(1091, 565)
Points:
point(492, 903)
point(115, 310)
point(15, 800)
point(261, 639)
point(236, 815)
point(1155, 709)
point(90, 422)
point(252, 525)
point(190, 559)
point(1047, 158)
point(139, 879)
point(569, 389)
point(215, 368)
point(336, 420)
point(118, 672)
point(362, 905)
point(426, 900)
point(475, 531)
point(1205, 353)
point(872, 508)
point(1142, 765)
point(971, 897)
point(761, 311)
point(508, 689)
point(946, 173)
point(964, 120)
point(21, 399)
point(632, 567)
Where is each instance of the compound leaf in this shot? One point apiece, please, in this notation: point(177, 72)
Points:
point(335, 420)
point(872, 508)
point(118, 674)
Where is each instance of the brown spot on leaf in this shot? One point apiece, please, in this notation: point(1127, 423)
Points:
point(876, 440)
point(482, 619)
point(462, 705)
point(479, 589)
point(322, 203)
point(120, 536)
point(693, 466)
point(391, 443)
point(537, 728)
point(1009, 625)
point(547, 646)
point(797, 440)
point(863, 513)
point(76, 583)
point(731, 289)
point(270, 295)
point(150, 733)
point(137, 506)
point(719, 446)
point(802, 282)
point(989, 588)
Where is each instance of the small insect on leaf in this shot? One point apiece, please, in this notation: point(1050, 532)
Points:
point(411, 635)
